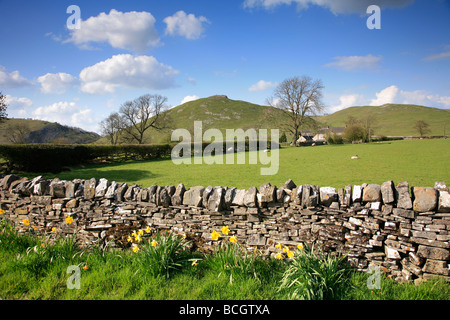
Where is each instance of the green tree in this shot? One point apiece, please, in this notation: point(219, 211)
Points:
point(422, 127)
point(3, 107)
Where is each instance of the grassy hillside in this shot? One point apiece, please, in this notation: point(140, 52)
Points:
point(218, 112)
point(39, 131)
point(395, 119)
point(223, 113)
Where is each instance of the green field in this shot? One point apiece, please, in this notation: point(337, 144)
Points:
point(420, 162)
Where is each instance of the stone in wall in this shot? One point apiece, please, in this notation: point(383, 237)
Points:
point(387, 192)
point(101, 188)
point(177, 198)
point(402, 195)
point(194, 196)
point(328, 195)
point(372, 193)
point(216, 199)
point(250, 199)
point(89, 188)
point(425, 199)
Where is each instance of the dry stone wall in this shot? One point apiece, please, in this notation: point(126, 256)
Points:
point(402, 230)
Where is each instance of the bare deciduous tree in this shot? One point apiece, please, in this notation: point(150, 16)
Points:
point(143, 113)
point(17, 133)
point(299, 98)
point(422, 127)
point(3, 107)
point(112, 127)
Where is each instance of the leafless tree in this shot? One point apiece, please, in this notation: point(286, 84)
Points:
point(299, 98)
point(17, 133)
point(422, 127)
point(113, 127)
point(3, 107)
point(143, 113)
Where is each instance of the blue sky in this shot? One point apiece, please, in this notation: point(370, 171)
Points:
point(190, 49)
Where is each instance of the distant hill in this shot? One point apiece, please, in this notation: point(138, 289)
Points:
point(218, 112)
point(395, 119)
point(37, 131)
point(223, 113)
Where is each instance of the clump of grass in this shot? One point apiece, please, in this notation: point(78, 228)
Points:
point(232, 260)
point(314, 275)
point(163, 254)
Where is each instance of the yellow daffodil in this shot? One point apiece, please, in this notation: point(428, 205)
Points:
point(2, 211)
point(278, 246)
point(225, 230)
point(138, 238)
point(53, 229)
point(154, 243)
point(300, 246)
point(233, 239)
point(184, 236)
point(290, 254)
point(140, 232)
point(69, 220)
point(194, 263)
point(135, 248)
point(285, 249)
point(279, 256)
point(134, 234)
point(34, 228)
point(130, 239)
point(215, 235)
point(148, 230)
point(26, 222)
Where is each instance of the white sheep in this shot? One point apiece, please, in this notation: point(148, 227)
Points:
point(355, 157)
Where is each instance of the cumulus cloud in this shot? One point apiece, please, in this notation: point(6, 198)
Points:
point(56, 82)
point(349, 100)
point(387, 95)
point(12, 79)
point(66, 113)
point(125, 70)
point(336, 7)
point(393, 94)
point(355, 63)
point(438, 56)
point(189, 98)
point(262, 85)
point(185, 25)
point(130, 30)
point(17, 103)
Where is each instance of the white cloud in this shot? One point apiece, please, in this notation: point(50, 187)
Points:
point(262, 85)
point(66, 113)
point(355, 63)
point(185, 25)
point(438, 56)
point(56, 82)
point(130, 30)
point(387, 95)
point(17, 103)
point(125, 70)
point(393, 94)
point(12, 79)
point(336, 7)
point(349, 100)
point(189, 98)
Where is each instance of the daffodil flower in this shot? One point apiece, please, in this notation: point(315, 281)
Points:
point(130, 239)
point(26, 222)
point(215, 235)
point(147, 230)
point(154, 243)
point(194, 263)
point(2, 211)
point(233, 239)
point(225, 230)
point(278, 246)
point(140, 232)
point(69, 220)
point(290, 254)
point(300, 246)
point(279, 256)
point(135, 248)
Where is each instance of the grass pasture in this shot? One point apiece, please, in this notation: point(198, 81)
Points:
point(420, 162)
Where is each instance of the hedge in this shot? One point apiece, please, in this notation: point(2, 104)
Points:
point(54, 158)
